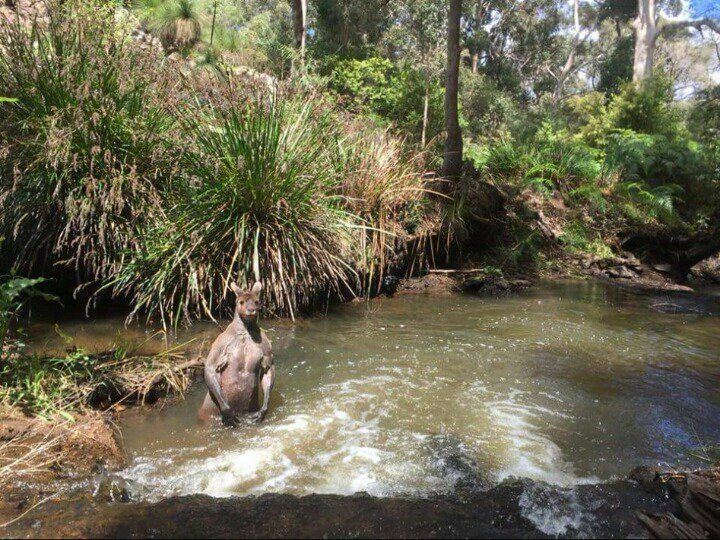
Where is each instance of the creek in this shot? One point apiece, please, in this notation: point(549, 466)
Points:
point(566, 383)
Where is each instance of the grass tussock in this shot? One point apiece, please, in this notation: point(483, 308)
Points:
point(83, 143)
point(64, 385)
point(256, 170)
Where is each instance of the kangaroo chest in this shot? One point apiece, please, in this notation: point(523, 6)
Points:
point(243, 356)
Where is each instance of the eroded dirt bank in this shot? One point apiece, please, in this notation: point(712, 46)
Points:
point(513, 509)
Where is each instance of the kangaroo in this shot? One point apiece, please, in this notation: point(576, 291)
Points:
point(240, 361)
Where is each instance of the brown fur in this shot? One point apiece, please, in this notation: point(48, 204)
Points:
point(239, 364)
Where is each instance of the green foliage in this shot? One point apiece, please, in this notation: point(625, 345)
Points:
point(486, 110)
point(84, 141)
point(578, 238)
point(678, 168)
point(588, 119)
point(544, 167)
point(643, 203)
point(350, 27)
point(61, 384)
point(395, 94)
point(45, 386)
point(647, 108)
point(367, 83)
point(14, 292)
point(704, 118)
point(616, 70)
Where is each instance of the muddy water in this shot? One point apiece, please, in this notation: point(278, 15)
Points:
point(566, 383)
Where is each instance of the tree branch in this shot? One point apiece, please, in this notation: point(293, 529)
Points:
point(713, 24)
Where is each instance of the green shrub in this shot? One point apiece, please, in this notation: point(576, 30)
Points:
point(588, 119)
point(14, 292)
point(647, 108)
point(84, 141)
point(485, 109)
point(396, 94)
point(258, 171)
point(367, 83)
point(704, 118)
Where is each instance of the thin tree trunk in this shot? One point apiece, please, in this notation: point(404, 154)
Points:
point(567, 68)
point(645, 38)
point(452, 158)
point(212, 27)
point(426, 105)
point(475, 61)
point(300, 26)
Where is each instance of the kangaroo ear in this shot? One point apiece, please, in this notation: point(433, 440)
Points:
point(257, 287)
point(235, 288)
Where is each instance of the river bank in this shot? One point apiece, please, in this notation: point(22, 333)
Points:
point(501, 512)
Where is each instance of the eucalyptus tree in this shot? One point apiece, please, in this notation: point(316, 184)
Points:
point(452, 158)
point(649, 26)
point(417, 37)
point(516, 42)
point(582, 30)
point(300, 26)
point(350, 27)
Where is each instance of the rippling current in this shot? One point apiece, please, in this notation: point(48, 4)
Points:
point(566, 383)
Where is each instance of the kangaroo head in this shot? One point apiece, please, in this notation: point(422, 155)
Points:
point(248, 305)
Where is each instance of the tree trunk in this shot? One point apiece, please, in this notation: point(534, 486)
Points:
point(475, 61)
point(452, 158)
point(300, 26)
point(647, 33)
point(426, 105)
point(645, 38)
point(569, 64)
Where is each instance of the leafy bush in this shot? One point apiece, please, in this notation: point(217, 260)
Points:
point(704, 118)
point(394, 93)
point(647, 108)
point(14, 292)
point(588, 119)
point(367, 83)
point(486, 110)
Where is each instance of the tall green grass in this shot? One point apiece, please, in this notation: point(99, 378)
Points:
point(83, 142)
point(257, 202)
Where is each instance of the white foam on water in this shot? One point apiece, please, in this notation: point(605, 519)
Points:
point(553, 510)
point(528, 453)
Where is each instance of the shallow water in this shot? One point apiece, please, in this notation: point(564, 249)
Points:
point(566, 382)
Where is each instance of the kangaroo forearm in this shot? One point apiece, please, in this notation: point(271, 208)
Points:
point(212, 380)
point(267, 384)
